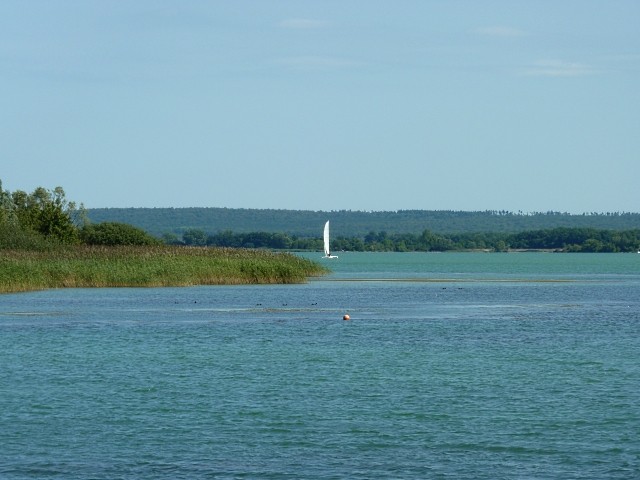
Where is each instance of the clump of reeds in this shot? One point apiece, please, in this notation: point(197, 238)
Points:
point(156, 266)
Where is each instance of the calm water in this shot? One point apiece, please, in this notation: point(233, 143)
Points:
point(453, 366)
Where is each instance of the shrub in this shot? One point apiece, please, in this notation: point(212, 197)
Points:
point(114, 233)
point(12, 236)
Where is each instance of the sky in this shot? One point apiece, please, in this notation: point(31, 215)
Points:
point(366, 105)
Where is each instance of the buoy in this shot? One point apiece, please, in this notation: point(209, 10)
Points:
point(346, 317)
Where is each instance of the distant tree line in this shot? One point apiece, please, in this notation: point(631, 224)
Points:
point(558, 239)
point(269, 240)
point(304, 223)
point(45, 219)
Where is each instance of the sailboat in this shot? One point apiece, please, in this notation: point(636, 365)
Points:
point(327, 249)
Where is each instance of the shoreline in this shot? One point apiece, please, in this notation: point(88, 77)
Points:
point(158, 266)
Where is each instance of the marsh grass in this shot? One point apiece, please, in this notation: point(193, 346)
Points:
point(158, 266)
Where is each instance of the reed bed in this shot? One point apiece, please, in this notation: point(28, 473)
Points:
point(159, 266)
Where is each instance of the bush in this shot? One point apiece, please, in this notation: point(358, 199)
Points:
point(12, 236)
point(114, 233)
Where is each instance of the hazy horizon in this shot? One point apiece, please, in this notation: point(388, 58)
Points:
point(496, 211)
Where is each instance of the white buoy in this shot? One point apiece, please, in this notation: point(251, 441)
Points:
point(346, 317)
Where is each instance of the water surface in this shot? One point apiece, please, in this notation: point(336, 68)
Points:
point(453, 366)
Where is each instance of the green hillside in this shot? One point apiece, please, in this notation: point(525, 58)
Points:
point(158, 221)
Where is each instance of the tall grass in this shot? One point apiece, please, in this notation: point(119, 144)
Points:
point(157, 266)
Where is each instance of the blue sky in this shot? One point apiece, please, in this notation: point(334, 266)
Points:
point(324, 105)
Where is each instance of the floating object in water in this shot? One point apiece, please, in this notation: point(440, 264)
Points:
point(327, 248)
point(346, 317)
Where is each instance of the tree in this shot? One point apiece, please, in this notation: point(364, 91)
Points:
point(592, 245)
point(7, 210)
point(48, 213)
point(170, 238)
point(194, 237)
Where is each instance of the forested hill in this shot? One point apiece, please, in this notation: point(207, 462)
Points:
point(159, 221)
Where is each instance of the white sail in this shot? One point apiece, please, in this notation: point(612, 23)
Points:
point(327, 249)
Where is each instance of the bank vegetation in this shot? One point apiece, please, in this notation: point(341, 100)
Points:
point(144, 266)
point(561, 239)
point(46, 242)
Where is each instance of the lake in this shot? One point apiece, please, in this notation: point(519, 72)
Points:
point(453, 365)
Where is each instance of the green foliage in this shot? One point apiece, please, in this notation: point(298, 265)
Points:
point(195, 237)
point(7, 209)
point(170, 239)
point(12, 236)
point(308, 224)
point(578, 240)
point(278, 241)
point(148, 266)
point(38, 220)
point(46, 212)
point(45, 220)
point(113, 233)
point(560, 239)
